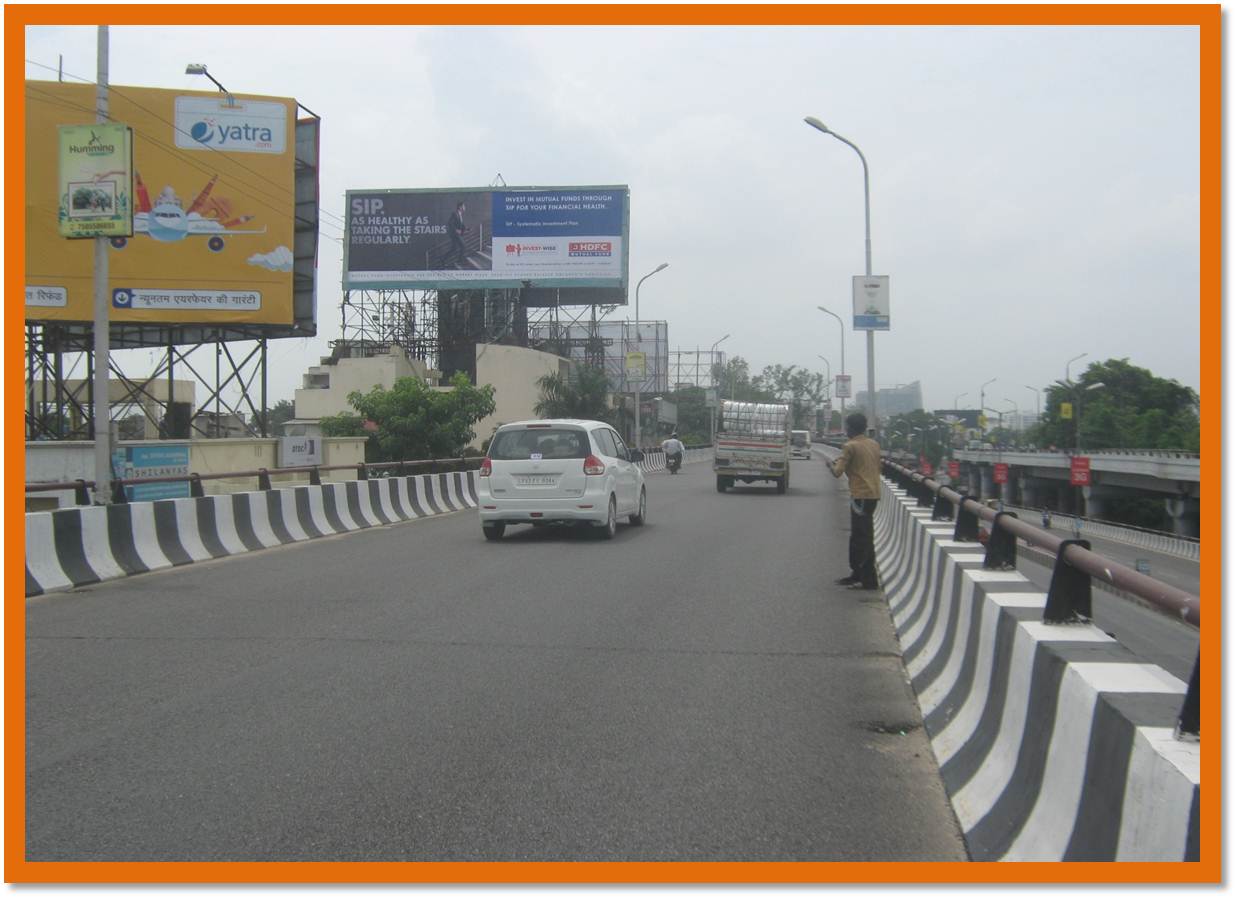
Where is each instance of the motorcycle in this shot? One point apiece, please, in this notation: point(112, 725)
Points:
point(673, 462)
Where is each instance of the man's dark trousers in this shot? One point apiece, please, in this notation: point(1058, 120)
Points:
point(862, 548)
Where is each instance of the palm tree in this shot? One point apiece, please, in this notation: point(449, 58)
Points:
point(586, 395)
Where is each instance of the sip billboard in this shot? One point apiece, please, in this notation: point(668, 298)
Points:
point(213, 205)
point(478, 238)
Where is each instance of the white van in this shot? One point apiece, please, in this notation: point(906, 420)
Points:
point(801, 444)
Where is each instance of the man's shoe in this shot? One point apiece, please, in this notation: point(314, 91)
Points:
point(859, 585)
point(849, 581)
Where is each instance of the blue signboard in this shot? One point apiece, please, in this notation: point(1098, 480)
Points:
point(152, 461)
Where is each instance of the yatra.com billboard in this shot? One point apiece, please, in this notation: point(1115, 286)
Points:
point(470, 237)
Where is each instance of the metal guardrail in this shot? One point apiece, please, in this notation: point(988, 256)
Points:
point(1146, 453)
point(363, 469)
point(1069, 592)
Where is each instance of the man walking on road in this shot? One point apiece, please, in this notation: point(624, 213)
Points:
point(860, 462)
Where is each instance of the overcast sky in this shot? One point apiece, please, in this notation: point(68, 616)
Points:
point(1034, 191)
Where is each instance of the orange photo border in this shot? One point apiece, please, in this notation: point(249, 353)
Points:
point(1207, 870)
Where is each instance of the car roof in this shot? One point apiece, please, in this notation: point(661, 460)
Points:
point(542, 422)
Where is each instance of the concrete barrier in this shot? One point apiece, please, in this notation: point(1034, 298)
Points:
point(83, 545)
point(1054, 742)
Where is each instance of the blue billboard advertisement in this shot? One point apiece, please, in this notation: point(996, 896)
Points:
point(152, 461)
point(511, 237)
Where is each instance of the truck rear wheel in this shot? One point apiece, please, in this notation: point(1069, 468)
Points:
point(721, 484)
point(781, 483)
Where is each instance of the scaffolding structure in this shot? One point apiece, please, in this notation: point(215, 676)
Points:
point(695, 368)
point(60, 399)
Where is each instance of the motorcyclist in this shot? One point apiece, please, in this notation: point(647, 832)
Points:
point(673, 448)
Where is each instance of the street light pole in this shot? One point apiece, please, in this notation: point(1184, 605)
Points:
point(1069, 363)
point(958, 397)
point(1035, 390)
point(841, 349)
point(713, 413)
point(867, 254)
point(638, 283)
point(981, 399)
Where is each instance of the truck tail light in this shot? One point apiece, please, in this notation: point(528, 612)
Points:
point(593, 465)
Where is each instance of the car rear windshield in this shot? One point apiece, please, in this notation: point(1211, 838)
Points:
point(799, 438)
point(549, 443)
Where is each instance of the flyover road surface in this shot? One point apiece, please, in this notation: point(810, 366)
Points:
point(695, 689)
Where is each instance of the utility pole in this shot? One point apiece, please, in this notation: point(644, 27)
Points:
point(102, 324)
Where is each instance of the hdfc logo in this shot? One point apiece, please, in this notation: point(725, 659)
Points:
point(589, 248)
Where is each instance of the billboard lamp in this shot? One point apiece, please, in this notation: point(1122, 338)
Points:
point(196, 68)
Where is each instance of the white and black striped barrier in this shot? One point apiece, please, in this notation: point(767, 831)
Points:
point(1054, 742)
point(77, 546)
point(655, 460)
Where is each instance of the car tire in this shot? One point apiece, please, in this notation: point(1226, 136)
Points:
point(637, 518)
point(493, 532)
point(610, 528)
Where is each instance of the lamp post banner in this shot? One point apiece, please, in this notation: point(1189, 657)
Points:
point(842, 384)
point(1080, 471)
point(871, 299)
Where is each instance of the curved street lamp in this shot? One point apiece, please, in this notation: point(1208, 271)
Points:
point(638, 283)
point(841, 349)
point(1068, 364)
point(867, 256)
point(713, 414)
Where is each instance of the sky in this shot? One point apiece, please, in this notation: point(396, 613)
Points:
point(1034, 191)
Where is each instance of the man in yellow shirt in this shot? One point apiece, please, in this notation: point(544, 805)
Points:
point(861, 463)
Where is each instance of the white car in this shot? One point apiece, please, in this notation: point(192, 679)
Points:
point(800, 444)
point(559, 471)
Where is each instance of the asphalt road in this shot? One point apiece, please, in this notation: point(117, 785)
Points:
point(695, 689)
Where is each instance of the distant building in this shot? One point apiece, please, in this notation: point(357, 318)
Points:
point(893, 400)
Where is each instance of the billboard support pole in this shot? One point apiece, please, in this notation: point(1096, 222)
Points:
point(102, 346)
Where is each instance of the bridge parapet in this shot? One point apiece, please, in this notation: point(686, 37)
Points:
point(1054, 742)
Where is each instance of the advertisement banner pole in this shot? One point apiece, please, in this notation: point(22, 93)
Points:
point(102, 342)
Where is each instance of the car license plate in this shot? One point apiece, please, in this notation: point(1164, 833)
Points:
point(535, 480)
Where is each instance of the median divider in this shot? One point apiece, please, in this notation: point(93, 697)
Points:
point(1054, 742)
point(74, 547)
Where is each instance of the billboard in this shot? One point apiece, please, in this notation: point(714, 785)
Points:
point(95, 184)
point(213, 205)
point(481, 237)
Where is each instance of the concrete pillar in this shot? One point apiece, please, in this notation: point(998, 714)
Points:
point(985, 474)
point(1094, 505)
point(1179, 510)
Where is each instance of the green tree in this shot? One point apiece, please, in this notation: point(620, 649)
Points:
point(799, 387)
point(1117, 405)
point(415, 421)
point(584, 394)
point(693, 426)
point(736, 383)
point(918, 432)
point(278, 414)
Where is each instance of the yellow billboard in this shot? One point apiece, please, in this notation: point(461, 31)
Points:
point(213, 208)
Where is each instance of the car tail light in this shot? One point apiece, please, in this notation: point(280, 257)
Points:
point(486, 467)
point(593, 465)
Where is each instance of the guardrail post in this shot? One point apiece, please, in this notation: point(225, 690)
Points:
point(1069, 592)
point(118, 491)
point(1187, 723)
point(966, 526)
point(315, 479)
point(195, 485)
point(362, 473)
point(923, 494)
point(942, 509)
point(1002, 549)
point(80, 496)
point(264, 479)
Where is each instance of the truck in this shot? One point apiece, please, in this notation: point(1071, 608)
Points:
point(753, 444)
